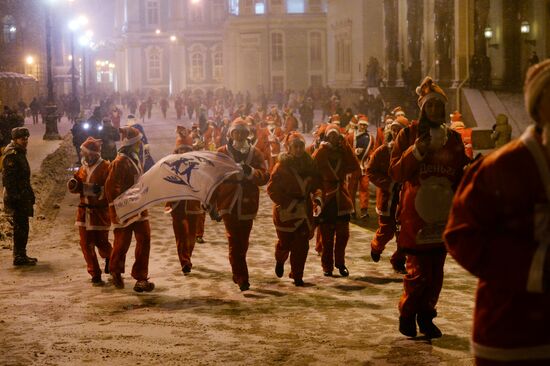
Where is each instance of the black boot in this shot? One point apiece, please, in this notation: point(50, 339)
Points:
point(407, 326)
point(375, 256)
point(245, 286)
point(343, 271)
point(23, 261)
point(427, 327)
point(106, 269)
point(279, 269)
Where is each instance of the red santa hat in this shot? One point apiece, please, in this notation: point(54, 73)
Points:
point(427, 90)
point(238, 124)
point(129, 136)
point(335, 118)
point(332, 128)
point(363, 120)
point(398, 111)
point(538, 77)
point(91, 146)
point(455, 116)
point(293, 138)
point(400, 121)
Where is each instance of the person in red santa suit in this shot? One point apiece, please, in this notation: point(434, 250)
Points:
point(362, 144)
point(335, 119)
point(387, 198)
point(92, 216)
point(501, 216)
point(274, 114)
point(428, 159)
point(335, 160)
point(275, 137)
point(237, 198)
point(465, 133)
point(124, 172)
point(185, 215)
point(293, 187)
point(318, 137)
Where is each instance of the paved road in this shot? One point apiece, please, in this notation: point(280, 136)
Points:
point(51, 314)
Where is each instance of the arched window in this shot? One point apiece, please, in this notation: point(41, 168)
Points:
point(197, 67)
point(315, 47)
point(276, 47)
point(154, 64)
point(9, 28)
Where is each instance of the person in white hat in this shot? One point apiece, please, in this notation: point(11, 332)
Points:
point(499, 229)
point(124, 173)
point(237, 199)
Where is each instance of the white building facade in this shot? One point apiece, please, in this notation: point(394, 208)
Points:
point(242, 45)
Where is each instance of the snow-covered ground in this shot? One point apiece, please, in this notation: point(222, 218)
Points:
point(50, 314)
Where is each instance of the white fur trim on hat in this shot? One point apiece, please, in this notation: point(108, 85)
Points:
point(538, 76)
point(131, 141)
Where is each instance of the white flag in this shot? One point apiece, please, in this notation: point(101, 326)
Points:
point(189, 176)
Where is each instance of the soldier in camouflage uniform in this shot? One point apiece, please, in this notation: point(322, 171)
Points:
point(18, 194)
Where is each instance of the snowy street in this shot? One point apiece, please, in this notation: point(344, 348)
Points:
point(51, 314)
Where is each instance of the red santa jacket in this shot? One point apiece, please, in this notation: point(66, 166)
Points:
point(363, 141)
point(334, 166)
point(466, 135)
point(242, 197)
point(93, 210)
point(377, 171)
point(292, 194)
point(499, 230)
point(379, 137)
point(291, 124)
point(124, 172)
point(428, 187)
point(274, 139)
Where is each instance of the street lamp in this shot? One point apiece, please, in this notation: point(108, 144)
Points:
point(74, 25)
point(51, 133)
point(173, 38)
point(84, 41)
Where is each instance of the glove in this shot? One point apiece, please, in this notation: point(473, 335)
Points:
point(96, 189)
point(247, 169)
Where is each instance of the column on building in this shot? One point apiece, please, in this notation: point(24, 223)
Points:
point(415, 30)
point(391, 30)
point(444, 33)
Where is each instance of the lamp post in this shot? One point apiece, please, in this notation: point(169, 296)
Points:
point(51, 133)
point(85, 41)
point(74, 25)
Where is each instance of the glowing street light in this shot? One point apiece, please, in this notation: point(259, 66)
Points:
point(29, 60)
point(157, 31)
point(195, 1)
point(173, 38)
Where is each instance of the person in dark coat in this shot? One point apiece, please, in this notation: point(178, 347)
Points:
point(18, 193)
point(109, 135)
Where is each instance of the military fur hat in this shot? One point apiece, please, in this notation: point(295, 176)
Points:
point(19, 132)
point(427, 90)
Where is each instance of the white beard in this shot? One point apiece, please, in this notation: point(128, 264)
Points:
point(271, 128)
point(242, 147)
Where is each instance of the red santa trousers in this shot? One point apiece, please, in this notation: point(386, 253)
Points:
point(334, 238)
point(89, 240)
point(422, 283)
point(297, 245)
point(185, 227)
point(386, 230)
point(200, 224)
point(123, 239)
point(238, 234)
point(358, 182)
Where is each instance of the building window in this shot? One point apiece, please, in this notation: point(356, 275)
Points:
point(217, 62)
point(218, 10)
point(343, 56)
point(295, 6)
point(9, 28)
point(154, 64)
point(277, 84)
point(315, 47)
point(276, 47)
point(196, 11)
point(197, 67)
point(152, 12)
point(259, 7)
point(347, 57)
point(234, 7)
